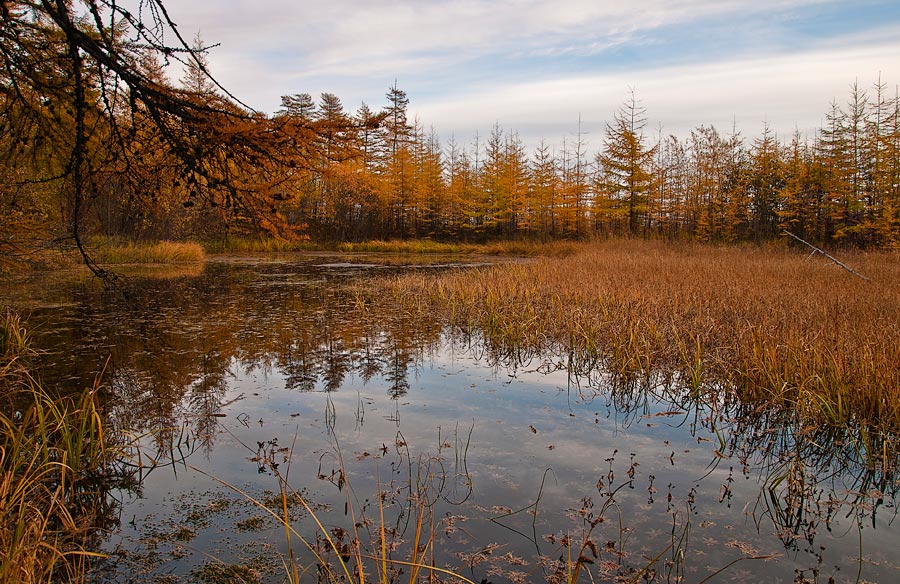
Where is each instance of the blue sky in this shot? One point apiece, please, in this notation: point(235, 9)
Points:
point(536, 66)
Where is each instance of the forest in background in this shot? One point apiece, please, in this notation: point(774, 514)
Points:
point(96, 140)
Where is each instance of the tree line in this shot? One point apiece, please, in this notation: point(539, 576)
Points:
point(838, 187)
point(95, 139)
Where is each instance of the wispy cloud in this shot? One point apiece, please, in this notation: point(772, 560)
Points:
point(786, 91)
point(535, 65)
point(335, 36)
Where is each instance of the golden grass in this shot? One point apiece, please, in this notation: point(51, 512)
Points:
point(394, 246)
point(258, 245)
point(54, 451)
point(774, 328)
point(427, 246)
point(162, 252)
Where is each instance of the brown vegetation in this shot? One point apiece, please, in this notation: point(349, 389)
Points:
point(766, 324)
point(162, 252)
point(99, 141)
point(56, 471)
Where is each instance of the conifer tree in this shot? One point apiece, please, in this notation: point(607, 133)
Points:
point(545, 191)
point(626, 164)
point(197, 79)
point(764, 183)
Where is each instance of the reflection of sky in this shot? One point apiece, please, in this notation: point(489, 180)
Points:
point(519, 428)
point(222, 342)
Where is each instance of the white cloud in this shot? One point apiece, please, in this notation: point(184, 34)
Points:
point(787, 91)
point(335, 36)
point(437, 51)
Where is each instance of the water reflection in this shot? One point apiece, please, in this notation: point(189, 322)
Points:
point(247, 352)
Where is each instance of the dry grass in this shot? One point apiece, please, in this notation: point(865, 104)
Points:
point(772, 327)
point(162, 252)
point(258, 245)
point(394, 246)
point(54, 454)
point(427, 246)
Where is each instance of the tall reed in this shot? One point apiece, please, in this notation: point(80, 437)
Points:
point(56, 464)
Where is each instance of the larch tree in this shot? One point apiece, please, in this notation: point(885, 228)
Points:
point(461, 183)
point(626, 166)
point(197, 79)
point(576, 193)
point(76, 76)
point(300, 106)
point(545, 191)
point(707, 183)
point(397, 169)
point(764, 184)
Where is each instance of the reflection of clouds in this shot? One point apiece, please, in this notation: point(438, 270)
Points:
point(233, 337)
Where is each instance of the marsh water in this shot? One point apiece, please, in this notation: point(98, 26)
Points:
point(247, 376)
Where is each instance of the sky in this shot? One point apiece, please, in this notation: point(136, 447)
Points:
point(538, 67)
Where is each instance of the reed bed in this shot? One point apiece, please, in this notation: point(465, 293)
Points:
point(259, 245)
point(162, 252)
point(769, 325)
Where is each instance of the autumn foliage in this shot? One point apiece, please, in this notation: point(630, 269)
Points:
point(96, 140)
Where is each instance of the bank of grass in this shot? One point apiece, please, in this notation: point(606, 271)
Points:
point(259, 245)
point(427, 246)
point(394, 246)
point(112, 252)
point(767, 325)
point(53, 452)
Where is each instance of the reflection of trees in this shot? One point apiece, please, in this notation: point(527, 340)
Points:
point(812, 475)
point(336, 364)
point(300, 369)
point(368, 364)
point(205, 397)
point(172, 344)
point(397, 371)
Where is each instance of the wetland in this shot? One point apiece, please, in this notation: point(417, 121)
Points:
point(461, 413)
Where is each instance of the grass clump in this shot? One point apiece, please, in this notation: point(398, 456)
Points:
point(56, 464)
point(394, 246)
point(427, 246)
point(162, 252)
point(217, 573)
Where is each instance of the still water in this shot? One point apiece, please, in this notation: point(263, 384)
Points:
point(248, 377)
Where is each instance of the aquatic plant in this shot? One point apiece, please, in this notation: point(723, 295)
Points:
point(367, 549)
point(763, 324)
point(57, 466)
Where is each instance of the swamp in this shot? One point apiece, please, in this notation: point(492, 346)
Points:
point(630, 412)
